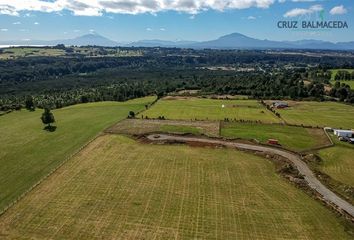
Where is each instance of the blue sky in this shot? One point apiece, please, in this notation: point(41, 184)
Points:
point(131, 20)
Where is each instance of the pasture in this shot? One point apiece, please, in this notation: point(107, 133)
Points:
point(27, 152)
point(184, 108)
point(338, 162)
point(119, 189)
point(16, 52)
point(295, 138)
point(323, 114)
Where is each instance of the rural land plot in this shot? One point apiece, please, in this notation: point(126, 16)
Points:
point(295, 138)
point(27, 152)
point(322, 114)
point(184, 108)
point(338, 162)
point(144, 126)
point(119, 189)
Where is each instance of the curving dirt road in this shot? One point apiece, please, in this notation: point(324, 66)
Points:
point(302, 167)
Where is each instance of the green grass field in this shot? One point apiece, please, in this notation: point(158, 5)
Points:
point(27, 152)
point(338, 162)
point(335, 71)
point(210, 109)
point(324, 114)
point(119, 189)
point(10, 53)
point(295, 138)
point(350, 83)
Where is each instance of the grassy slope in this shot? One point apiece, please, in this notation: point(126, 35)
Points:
point(338, 162)
point(210, 109)
point(27, 152)
point(295, 138)
point(118, 189)
point(323, 114)
point(334, 72)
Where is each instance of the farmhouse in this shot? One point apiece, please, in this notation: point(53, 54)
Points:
point(280, 105)
point(344, 133)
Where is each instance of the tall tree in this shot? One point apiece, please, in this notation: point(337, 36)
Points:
point(47, 117)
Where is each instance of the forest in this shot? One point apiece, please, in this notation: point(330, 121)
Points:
point(55, 82)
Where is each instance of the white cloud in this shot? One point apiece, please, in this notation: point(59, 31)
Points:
point(162, 29)
point(251, 18)
point(303, 11)
point(338, 10)
point(4, 29)
point(149, 29)
point(98, 7)
point(16, 23)
point(36, 23)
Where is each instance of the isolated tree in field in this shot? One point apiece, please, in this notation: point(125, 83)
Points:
point(47, 117)
point(29, 103)
point(131, 114)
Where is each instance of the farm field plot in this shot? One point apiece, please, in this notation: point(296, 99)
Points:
point(323, 114)
point(209, 109)
point(295, 138)
point(338, 162)
point(10, 53)
point(143, 126)
point(119, 189)
point(27, 152)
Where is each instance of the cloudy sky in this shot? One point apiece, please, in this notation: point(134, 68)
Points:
point(130, 20)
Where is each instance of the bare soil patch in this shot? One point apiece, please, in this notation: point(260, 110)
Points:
point(144, 126)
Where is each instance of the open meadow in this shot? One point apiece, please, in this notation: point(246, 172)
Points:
point(117, 188)
point(323, 114)
point(181, 108)
point(338, 162)
point(27, 152)
point(295, 138)
point(11, 53)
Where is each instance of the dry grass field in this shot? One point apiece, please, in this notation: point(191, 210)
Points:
point(119, 189)
point(143, 126)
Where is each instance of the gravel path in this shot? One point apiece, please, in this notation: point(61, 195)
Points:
point(302, 167)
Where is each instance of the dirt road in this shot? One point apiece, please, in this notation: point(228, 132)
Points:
point(302, 167)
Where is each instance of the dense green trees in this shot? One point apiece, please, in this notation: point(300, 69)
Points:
point(47, 117)
point(56, 82)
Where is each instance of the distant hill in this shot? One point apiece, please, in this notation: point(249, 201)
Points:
point(230, 41)
point(88, 39)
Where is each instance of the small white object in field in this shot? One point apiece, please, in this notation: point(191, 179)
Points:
point(223, 106)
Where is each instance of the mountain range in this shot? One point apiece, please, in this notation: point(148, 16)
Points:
point(231, 41)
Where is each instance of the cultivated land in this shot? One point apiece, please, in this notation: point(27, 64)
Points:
point(323, 114)
point(27, 152)
point(144, 126)
point(185, 108)
point(295, 138)
point(11, 53)
point(338, 162)
point(119, 189)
